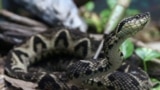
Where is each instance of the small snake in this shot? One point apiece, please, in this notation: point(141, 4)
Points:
point(85, 73)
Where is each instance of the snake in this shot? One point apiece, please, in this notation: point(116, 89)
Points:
point(78, 70)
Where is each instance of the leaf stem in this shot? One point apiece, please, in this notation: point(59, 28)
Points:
point(145, 65)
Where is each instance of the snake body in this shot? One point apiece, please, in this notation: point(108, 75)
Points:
point(86, 73)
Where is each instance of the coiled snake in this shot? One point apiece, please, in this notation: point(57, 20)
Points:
point(73, 73)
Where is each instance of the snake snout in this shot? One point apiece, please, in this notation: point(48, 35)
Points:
point(143, 18)
point(143, 15)
point(139, 22)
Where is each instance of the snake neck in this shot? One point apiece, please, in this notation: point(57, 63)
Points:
point(127, 28)
point(113, 55)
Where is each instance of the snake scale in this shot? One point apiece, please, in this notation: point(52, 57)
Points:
point(81, 72)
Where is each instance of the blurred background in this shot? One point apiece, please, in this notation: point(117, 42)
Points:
point(19, 19)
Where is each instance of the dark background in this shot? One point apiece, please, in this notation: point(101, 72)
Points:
point(152, 6)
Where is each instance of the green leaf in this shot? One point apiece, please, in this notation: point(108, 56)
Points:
point(111, 3)
point(147, 54)
point(127, 48)
point(105, 15)
point(95, 21)
point(156, 88)
point(155, 81)
point(90, 6)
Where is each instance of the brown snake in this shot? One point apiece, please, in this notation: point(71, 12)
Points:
point(85, 73)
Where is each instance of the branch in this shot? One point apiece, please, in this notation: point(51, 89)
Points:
point(20, 19)
point(7, 26)
point(15, 33)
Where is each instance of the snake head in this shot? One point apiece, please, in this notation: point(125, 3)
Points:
point(131, 25)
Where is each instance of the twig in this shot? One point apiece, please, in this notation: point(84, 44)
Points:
point(96, 36)
point(15, 33)
point(20, 28)
point(141, 44)
point(116, 15)
point(10, 40)
point(157, 61)
point(20, 19)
